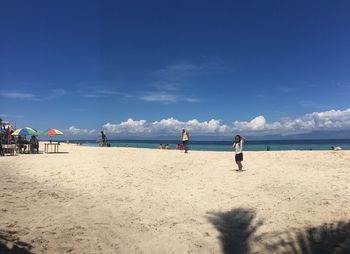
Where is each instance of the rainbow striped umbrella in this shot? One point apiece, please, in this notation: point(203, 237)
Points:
point(51, 132)
point(25, 131)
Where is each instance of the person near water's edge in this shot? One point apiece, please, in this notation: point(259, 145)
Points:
point(103, 139)
point(238, 146)
point(185, 137)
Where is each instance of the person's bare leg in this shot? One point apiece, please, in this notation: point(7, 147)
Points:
point(240, 166)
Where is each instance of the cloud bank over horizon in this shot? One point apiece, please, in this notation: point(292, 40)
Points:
point(326, 120)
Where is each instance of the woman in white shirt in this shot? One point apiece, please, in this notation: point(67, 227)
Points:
point(185, 137)
point(238, 146)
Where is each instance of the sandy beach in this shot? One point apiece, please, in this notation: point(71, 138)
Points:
point(125, 200)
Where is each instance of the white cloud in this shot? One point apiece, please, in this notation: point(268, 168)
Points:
point(211, 127)
point(129, 126)
point(92, 131)
point(77, 131)
point(17, 95)
point(163, 97)
point(11, 116)
point(88, 95)
point(99, 93)
point(167, 126)
point(332, 119)
point(255, 125)
point(180, 70)
point(192, 100)
point(258, 123)
point(51, 94)
point(327, 120)
point(167, 98)
point(97, 89)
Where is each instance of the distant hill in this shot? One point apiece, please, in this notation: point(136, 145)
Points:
point(343, 134)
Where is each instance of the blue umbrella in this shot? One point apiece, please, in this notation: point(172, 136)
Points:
point(25, 131)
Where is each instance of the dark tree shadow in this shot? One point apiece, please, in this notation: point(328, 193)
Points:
point(236, 228)
point(327, 238)
point(11, 245)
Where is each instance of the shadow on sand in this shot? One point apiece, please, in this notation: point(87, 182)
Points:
point(236, 227)
point(11, 245)
point(327, 238)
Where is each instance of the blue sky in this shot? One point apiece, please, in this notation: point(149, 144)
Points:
point(253, 66)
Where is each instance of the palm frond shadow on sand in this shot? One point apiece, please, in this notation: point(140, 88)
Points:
point(11, 245)
point(236, 228)
point(327, 238)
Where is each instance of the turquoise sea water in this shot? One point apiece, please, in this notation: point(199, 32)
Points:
point(273, 145)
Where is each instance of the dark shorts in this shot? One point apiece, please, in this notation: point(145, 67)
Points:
point(185, 142)
point(239, 157)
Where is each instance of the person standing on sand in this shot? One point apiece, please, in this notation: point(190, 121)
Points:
point(185, 137)
point(238, 146)
point(103, 139)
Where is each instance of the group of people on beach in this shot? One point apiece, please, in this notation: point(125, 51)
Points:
point(22, 141)
point(185, 138)
point(237, 146)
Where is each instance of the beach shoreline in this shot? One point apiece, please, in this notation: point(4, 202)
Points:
point(131, 200)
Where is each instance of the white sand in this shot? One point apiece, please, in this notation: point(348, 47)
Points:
point(125, 200)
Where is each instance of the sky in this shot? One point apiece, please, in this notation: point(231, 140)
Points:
point(150, 68)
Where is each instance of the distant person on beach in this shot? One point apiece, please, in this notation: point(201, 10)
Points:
point(164, 146)
point(238, 146)
point(103, 141)
point(336, 148)
point(185, 137)
point(21, 141)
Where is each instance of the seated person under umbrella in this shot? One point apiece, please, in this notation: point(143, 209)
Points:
point(34, 144)
point(20, 144)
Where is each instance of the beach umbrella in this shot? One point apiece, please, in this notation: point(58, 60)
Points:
point(51, 132)
point(25, 131)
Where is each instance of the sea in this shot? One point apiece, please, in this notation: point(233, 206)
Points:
point(250, 145)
